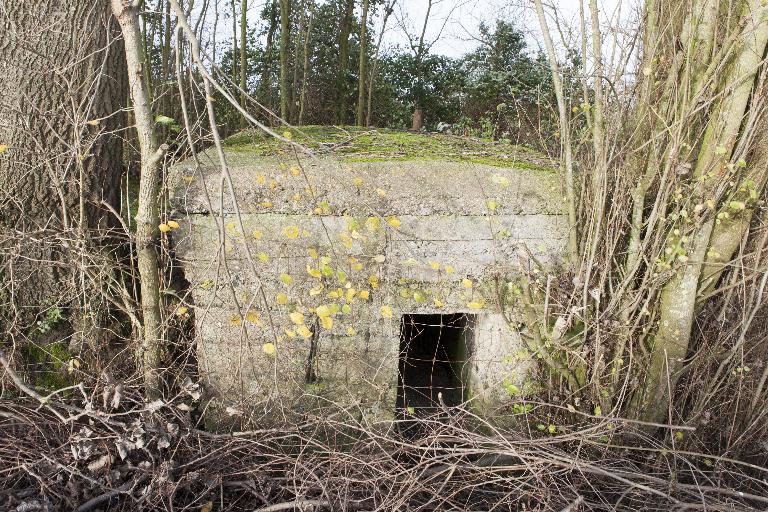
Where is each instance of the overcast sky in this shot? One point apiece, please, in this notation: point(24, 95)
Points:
point(453, 24)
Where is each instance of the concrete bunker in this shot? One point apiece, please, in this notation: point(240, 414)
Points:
point(338, 255)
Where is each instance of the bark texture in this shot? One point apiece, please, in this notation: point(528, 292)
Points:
point(63, 81)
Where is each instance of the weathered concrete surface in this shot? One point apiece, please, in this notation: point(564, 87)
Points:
point(409, 235)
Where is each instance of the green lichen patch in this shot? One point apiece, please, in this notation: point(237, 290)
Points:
point(355, 144)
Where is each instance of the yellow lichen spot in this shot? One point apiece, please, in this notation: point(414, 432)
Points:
point(393, 221)
point(364, 294)
point(304, 331)
point(358, 182)
point(182, 311)
point(164, 228)
point(189, 178)
point(449, 269)
point(173, 224)
point(287, 135)
point(291, 232)
point(434, 265)
point(374, 280)
point(467, 283)
point(269, 349)
point(253, 317)
point(419, 296)
point(296, 197)
point(297, 318)
point(326, 322)
point(3, 148)
point(351, 331)
point(438, 303)
point(313, 253)
point(263, 257)
point(235, 320)
point(491, 204)
point(381, 192)
point(261, 179)
point(386, 312)
point(286, 279)
point(282, 299)
point(266, 204)
point(295, 170)
point(257, 234)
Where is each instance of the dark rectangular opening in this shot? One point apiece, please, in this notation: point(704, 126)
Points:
point(434, 350)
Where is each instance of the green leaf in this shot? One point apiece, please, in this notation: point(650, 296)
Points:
point(164, 120)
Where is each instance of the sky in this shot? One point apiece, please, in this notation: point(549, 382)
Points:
point(453, 24)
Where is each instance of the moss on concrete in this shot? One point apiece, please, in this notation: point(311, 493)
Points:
point(355, 144)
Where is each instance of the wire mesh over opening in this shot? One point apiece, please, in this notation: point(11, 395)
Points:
point(434, 351)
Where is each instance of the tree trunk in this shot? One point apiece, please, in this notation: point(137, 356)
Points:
point(265, 84)
point(63, 80)
point(148, 211)
point(285, 41)
point(374, 67)
point(243, 44)
point(341, 77)
point(361, 69)
point(305, 72)
point(297, 47)
point(717, 236)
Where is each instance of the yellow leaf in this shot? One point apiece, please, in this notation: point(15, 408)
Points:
point(295, 170)
point(351, 331)
point(358, 182)
point(287, 135)
point(372, 223)
point(374, 280)
point(364, 294)
point(316, 290)
point(164, 228)
point(326, 322)
point(263, 257)
point(261, 179)
point(269, 349)
point(93, 122)
point(379, 258)
point(393, 221)
point(438, 303)
point(386, 312)
point(500, 180)
point(182, 310)
point(208, 507)
point(290, 333)
point(266, 204)
point(419, 296)
point(449, 269)
point(477, 304)
point(491, 204)
point(304, 332)
point(297, 318)
point(381, 192)
point(323, 311)
point(173, 224)
point(252, 317)
point(291, 232)
point(435, 265)
point(235, 320)
point(3, 148)
point(257, 234)
point(313, 253)
point(282, 299)
point(466, 283)
point(314, 272)
point(286, 279)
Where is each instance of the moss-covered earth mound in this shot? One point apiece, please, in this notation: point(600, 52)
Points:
point(356, 144)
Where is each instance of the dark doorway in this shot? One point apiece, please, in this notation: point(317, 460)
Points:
point(434, 350)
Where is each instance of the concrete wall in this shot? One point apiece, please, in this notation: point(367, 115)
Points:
point(420, 228)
